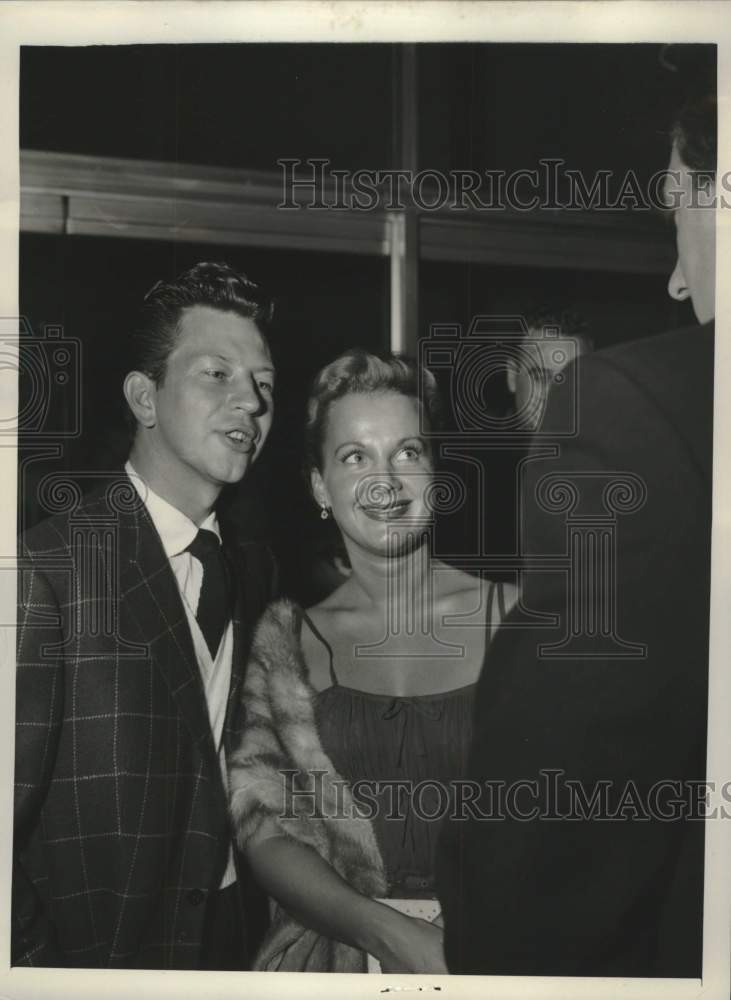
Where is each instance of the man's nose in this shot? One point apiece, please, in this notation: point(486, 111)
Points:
point(247, 396)
point(677, 286)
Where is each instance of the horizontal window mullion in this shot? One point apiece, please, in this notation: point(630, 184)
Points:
point(547, 244)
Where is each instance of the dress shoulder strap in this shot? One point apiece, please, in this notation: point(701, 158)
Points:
point(496, 608)
point(318, 635)
point(491, 623)
point(502, 610)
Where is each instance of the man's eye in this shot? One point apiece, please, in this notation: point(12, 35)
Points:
point(265, 385)
point(215, 373)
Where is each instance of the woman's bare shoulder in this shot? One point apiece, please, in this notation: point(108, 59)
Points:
point(315, 652)
point(458, 592)
point(323, 623)
point(511, 592)
point(467, 591)
point(452, 582)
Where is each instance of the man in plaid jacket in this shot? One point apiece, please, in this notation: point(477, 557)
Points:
point(131, 649)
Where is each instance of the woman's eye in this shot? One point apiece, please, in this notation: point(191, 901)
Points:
point(352, 458)
point(266, 386)
point(410, 454)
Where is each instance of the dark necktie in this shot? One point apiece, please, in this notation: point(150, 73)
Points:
point(214, 603)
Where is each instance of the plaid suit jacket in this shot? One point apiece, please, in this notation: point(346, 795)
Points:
point(121, 819)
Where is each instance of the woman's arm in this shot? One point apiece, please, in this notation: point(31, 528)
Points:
point(317, 897)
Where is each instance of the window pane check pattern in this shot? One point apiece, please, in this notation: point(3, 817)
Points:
point(121, 818)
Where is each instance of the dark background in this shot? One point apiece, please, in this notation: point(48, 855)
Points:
point(597, 107)
point(247, 105)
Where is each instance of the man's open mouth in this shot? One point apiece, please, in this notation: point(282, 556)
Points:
point(243, 439)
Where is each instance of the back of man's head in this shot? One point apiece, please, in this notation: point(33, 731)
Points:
point(560, 322)
point(694, 134)
point(690, 194)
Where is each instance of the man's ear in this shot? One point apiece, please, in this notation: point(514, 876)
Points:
point(139, 391)
point(319, 490)
point(510, 374)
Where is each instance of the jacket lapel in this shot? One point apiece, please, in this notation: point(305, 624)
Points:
point(151, 601)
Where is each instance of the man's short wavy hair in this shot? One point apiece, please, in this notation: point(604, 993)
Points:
point(568, 321)
point(157, 327)
point(356, 371)
point(695, 132)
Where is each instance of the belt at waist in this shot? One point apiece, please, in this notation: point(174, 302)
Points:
point(411, 885)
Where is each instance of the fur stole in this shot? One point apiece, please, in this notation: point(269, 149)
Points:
point(281, 734)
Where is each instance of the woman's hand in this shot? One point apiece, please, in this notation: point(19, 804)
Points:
point(409, 944)
point(315, 895)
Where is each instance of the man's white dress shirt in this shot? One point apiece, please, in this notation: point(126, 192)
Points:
point(176, 532)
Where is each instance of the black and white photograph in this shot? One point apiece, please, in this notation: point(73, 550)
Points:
point(365, 544)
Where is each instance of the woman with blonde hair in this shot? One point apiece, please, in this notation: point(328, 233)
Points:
point(359, 709)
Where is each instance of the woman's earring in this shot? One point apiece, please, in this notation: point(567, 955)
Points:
point(324, 512)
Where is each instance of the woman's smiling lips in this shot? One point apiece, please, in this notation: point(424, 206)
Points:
point(391, 512)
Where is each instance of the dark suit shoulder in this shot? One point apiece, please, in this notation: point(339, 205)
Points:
point(682, 357)
point(669, 376)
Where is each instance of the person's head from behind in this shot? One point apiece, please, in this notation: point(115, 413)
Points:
point(369, 454)
point(555, 337)
point(690, 191)
point(200, 389)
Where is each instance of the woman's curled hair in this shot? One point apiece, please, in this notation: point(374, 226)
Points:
point(357, 371)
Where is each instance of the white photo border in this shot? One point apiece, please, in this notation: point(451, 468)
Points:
point(82, 22)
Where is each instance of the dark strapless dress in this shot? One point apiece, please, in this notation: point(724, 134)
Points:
point(400, 756)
